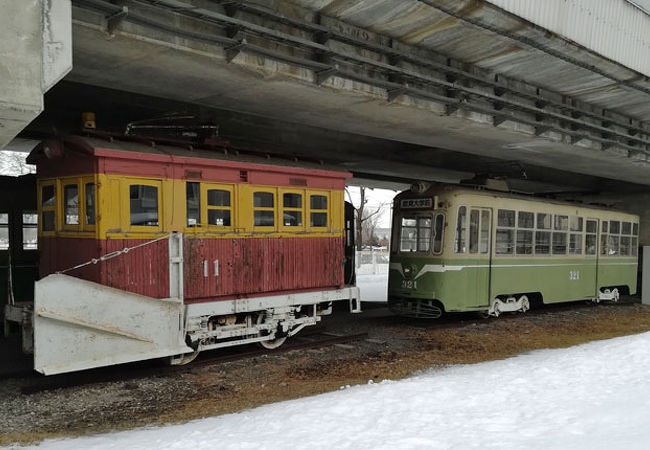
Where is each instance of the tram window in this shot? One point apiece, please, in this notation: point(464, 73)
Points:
point(408, 238)
point(473, 230)
point(603, 243)
point(613, 245)
point(318, 202)
point(143, 203)
point(193, 203)
point(439, 225)
point(505, 244)
point(424, 234)
point(30, 230)
point(4, 231)
point(634, 247)
point(590, 244)
point(484, 243)
point(542, 242)
point(90, 203)
point(575, 244)
point(263, 204)
point(591, 238)
point(604, 226)
point(292, 212)
point(624, 248)
point(592, 226)
point(561, 223)
point(575, 223)
point(524, 242)
point(544, 221)
point(559, 243)
point(526, 220)
point(318, 211)
point(71, 204)
point(48, 205)
point(461, 228)
point(506, 218)
point(614, 227)
point(626, 228)
point(635, 229)
point(219, 207)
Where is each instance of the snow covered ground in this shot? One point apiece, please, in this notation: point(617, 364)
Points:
point(593, 396)
point(373, 288)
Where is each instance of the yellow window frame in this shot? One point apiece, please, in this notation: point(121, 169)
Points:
point(64, 182)
point(283, 208)
point(52, 208)
point(327, 210)
point(274, 192)
point(126, 205)
point(85, 226)
point(206, 208)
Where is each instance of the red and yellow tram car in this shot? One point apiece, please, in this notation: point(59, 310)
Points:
point(248, 249)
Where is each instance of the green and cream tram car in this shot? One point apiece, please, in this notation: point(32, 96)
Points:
point(461, 249)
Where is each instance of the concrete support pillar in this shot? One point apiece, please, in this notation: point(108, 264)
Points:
point(35, 53)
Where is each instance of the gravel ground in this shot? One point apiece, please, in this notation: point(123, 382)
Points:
point(396, 347)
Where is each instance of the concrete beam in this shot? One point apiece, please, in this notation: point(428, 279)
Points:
point(35, 53)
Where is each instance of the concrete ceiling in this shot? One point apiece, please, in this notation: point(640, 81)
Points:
point(140, 71)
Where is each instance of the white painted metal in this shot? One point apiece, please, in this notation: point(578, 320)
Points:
point(645, 276)
point(80, 325)
point(608, 295)
point(176, 266)
point(510, 304)
point(242, 305)
point(615, 29)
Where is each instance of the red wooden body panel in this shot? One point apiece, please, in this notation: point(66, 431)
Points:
point(261, 265)
point(246, 267)
point(56, 254)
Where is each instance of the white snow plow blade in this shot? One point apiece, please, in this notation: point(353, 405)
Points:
point(79, 325)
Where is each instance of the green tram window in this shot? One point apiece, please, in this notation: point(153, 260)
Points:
point(634, 243)
point(543, 237)
point(415, 234)
point(505, 242)
point(525, 226)
point(591, 237)
point(560, 228)
point(438, 230)
point(473, 230)
point(575, 235)
point(479, 231)
point(461, 231)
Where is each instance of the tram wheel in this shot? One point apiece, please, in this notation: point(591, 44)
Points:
point(273, 343)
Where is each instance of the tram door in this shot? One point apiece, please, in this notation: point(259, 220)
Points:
point(589, 272)
point(480, 249)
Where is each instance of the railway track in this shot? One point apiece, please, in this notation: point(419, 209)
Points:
point(151, 369)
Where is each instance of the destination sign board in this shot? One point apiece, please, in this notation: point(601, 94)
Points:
point(412, 203)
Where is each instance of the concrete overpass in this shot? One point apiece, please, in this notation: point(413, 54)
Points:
point(426, 89)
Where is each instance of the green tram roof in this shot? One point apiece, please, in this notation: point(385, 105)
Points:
point(446, 190)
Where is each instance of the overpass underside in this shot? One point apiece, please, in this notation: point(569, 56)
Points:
point(418, 83)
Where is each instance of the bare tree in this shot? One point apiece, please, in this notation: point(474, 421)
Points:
point(366, 218)
point(14, 164)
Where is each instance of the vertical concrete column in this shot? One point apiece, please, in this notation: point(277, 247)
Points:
point(645, 276)
point(35, 52)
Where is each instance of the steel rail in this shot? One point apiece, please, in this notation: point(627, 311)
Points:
point(217, 18)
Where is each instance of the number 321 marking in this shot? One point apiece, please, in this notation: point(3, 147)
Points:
point(574, 275)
